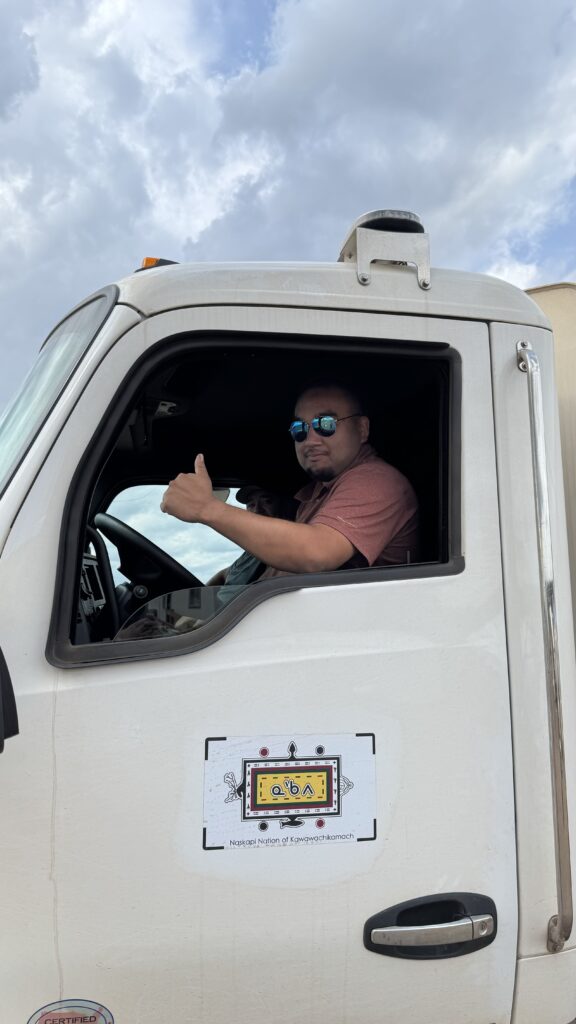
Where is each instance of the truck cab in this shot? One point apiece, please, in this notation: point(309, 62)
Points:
point(342, 794)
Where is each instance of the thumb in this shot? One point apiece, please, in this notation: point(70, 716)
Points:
point(200, 467)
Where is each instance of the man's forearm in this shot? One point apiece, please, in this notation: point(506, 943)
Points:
point(292, 547)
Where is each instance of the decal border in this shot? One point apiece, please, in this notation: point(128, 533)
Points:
point(273, 790)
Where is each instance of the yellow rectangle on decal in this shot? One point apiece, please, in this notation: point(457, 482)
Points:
point(293, 787)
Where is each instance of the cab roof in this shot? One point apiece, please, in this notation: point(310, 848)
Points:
point(392, 289)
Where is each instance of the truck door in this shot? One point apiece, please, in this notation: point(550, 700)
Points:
point(307, 811)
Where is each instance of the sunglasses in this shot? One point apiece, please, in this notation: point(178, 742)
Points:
point(323, 425)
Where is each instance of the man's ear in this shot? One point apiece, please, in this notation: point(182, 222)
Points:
point(364, 428)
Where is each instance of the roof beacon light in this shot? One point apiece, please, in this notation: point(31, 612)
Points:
point(387, 236)
point(153, 261)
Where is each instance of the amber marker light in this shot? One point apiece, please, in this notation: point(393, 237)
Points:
point(149, 262)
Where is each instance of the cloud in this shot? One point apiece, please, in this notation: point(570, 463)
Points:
point(522, 274)
point(453, 112)
point(195, 546)
point(18, 61)
point(260, 130)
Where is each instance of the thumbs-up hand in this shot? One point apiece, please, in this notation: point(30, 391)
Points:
point(189, 496)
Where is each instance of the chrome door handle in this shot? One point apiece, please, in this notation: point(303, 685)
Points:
point(434, 927)
point(466, 929)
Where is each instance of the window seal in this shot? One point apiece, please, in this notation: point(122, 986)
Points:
point(8, 711)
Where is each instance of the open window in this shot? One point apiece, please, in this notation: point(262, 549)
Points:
point(134, 581)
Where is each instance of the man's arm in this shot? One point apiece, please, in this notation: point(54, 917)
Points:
point(292, 547)
point(219, 578)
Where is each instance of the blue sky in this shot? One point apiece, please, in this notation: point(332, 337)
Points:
point(260, 129)
point(241, 33)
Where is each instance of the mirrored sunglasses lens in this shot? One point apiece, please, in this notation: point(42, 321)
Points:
point(324, 425)
point(298, 430)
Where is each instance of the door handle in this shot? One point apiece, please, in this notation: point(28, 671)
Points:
point(433, 927)
point(466, 929)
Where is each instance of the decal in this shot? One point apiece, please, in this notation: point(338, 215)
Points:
point(285, 791)
point(72, 1011)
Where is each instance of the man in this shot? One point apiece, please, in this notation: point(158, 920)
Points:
point(357, 510)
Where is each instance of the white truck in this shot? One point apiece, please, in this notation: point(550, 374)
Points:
point(342, 796)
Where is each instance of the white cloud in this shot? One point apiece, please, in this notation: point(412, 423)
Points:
point(523, 275)
point(193, 131)
point(158, 41)
point(195, 546)
point(20, 226)
point(18, 62)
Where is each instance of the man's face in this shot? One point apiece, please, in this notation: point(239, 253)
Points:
point(262, 502)
point(324, 458)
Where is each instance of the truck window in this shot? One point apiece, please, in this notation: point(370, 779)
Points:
point(232, 398)
point(58, 358)
point(198, 548)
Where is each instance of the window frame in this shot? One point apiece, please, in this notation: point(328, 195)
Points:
point(62, 653)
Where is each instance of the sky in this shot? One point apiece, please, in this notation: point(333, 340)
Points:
point(260, 129)
point(197, 547)
point(201, 130)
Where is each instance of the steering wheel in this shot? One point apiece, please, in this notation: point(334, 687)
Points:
point(142, 562)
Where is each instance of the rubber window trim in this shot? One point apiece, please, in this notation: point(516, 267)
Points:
point(8, 712)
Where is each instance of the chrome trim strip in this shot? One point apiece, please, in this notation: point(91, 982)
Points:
point(560, 925)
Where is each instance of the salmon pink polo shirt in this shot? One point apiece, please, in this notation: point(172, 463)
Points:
point(372, 504)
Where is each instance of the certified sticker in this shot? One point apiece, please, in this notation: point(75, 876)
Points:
point(72, 1011)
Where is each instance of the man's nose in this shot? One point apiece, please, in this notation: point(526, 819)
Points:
point(312, 442)
point(312, 438)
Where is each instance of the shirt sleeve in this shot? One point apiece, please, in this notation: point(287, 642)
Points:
point(369, 507)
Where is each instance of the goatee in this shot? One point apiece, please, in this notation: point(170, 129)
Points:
point(321, 474)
